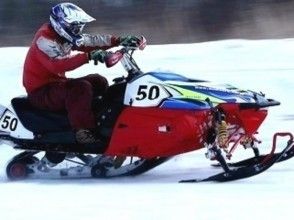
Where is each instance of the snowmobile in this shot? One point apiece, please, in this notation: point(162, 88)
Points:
point(143, 120)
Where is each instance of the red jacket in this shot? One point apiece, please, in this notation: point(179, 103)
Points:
point(49, 56)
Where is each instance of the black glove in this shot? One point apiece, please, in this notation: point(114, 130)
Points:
point(129, 41)
point(98, 55)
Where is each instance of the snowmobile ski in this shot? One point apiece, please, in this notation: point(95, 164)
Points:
point(257, 159)
point(252, 169)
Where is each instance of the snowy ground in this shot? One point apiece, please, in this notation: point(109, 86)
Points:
point(258, 65)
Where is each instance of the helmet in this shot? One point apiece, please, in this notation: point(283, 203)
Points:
point(68, 20)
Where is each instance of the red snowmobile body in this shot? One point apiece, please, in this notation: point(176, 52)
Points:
point(153, 132)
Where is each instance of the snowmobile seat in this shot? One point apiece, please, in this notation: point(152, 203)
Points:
point(37, 120)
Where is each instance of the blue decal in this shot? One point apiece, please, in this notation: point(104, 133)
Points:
point(184, 104)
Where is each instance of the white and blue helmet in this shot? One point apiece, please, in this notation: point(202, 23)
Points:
point(68, 20)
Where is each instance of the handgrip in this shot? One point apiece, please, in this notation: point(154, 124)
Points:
point(113, 58)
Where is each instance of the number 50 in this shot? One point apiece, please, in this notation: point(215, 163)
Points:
point(151, 93)
point(9, 122)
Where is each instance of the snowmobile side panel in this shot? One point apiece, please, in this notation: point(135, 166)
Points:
point(153, 132)
point(11, 125)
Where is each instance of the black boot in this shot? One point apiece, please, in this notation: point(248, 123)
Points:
point(86, 136)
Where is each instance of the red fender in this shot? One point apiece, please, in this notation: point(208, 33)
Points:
point(249, 119)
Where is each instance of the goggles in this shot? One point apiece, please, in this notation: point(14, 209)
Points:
point(75, 28)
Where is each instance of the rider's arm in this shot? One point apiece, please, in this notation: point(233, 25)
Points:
point(93, 42)
point(51, 56)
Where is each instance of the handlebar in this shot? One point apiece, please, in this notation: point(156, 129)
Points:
point(114, 57)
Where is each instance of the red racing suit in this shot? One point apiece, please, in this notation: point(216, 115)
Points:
point(47, 60)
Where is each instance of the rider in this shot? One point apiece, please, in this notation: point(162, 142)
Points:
point(49, 57)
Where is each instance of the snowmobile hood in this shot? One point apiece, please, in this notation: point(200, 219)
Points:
point(186, 93)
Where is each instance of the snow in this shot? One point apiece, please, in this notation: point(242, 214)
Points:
point(260, 65)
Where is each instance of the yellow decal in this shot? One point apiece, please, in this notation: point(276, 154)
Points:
point(188, 94)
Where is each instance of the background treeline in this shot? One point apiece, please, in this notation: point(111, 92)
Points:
point(161, 21)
